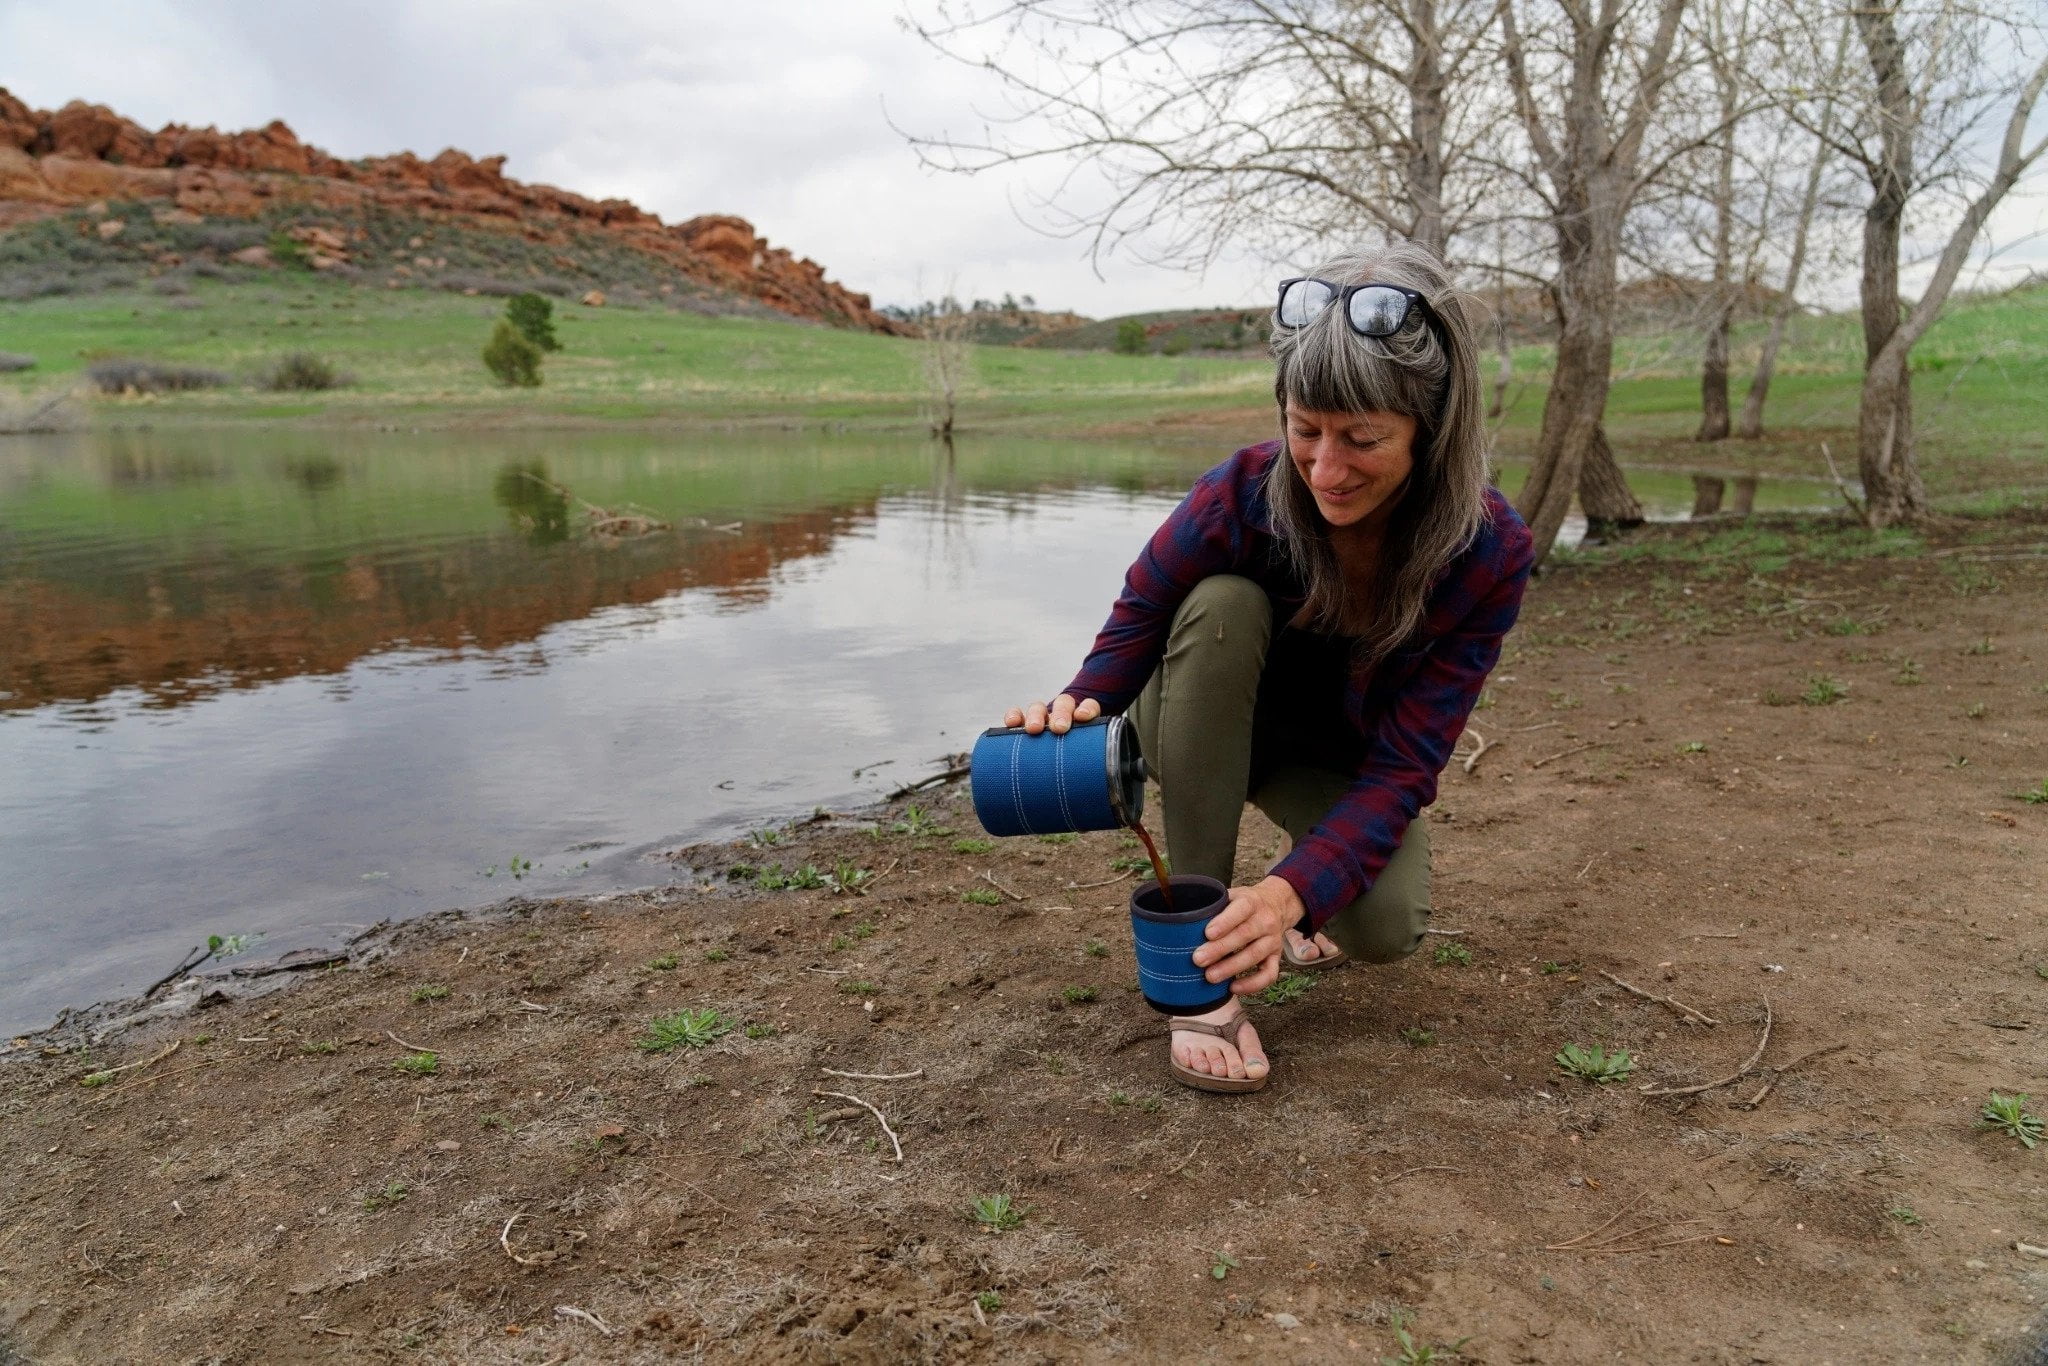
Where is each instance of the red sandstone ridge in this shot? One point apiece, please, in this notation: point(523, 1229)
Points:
point(84, 153)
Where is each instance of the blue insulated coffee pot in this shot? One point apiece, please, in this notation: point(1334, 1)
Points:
point(1091, 778)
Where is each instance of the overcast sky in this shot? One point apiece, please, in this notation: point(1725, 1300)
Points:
point(771, 109)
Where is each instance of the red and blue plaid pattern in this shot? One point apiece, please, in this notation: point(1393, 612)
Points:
point(1410, 708)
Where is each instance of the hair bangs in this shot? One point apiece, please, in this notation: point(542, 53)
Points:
point(1331, 369)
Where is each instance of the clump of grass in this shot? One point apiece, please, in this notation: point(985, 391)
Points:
point(1904, 1214)
point(665, 963)
point(1596, 1064)
point(1415, 1036)
point(1823, 691)
point(1290, 987)
point(1413, 1353)
point(1077, 995)
point(118, 376)
point(847, 877)
point(967, 846)
point(2035, 796)
point(1221, 1264)
point(717, 955)
point(319, 1049)
point(918, 822)
point(1095, 948)
point(1908, 674)
point(766, 838)
point(1138, 863)
point(760, 1031)
point(989, 1301)
point(431, 992)
point(694, 1028)
point(1064, 837)
point(2008, 1115)
point(858, 988)
point(1850, 626)
point(1452, 952)
point(227, 945)
point(420, 1064)
point(1693, 747)
point(982, 896)
point(494, 1122)
point(1975, 711)
point(1982, 647)
point(302, 370)
point(997, 1213)
point(807, 878)
point(393, 1194)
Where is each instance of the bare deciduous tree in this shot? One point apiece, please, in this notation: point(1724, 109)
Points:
point(1934, 76)
point(1587, 81)
point(948, 354)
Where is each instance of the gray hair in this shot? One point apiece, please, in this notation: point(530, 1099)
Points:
point(1428, 375)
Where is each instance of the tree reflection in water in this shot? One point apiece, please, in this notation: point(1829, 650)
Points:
point(538, 508)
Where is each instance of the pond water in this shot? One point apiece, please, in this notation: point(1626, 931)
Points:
point(288, 684)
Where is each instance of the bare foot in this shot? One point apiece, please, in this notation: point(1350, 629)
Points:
point(1322, 946)
point(1208, 1054)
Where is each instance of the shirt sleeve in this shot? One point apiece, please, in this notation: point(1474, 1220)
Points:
point(1339, 859)
point(1204, 535)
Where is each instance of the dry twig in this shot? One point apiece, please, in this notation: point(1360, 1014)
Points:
point(570, 1311)
point(505, 1241)
point(131, 1066)
point(1480, 745)
point(1086, 886)
point(894, 1142)
point(990, 879)
point(1434, 1167)
point(413, 1046)
point(1739, 1073)
point(1681, 1007)
point(872, 1076)
point(1779, 1071)
point(1566, 753)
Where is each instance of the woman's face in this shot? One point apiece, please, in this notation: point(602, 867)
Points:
point(1354, 463)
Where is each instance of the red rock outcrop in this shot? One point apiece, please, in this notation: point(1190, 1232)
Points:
point(84, 153)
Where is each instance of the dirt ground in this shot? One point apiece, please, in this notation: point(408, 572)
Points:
point(1666, 796)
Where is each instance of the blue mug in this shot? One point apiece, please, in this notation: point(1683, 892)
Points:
point(1166, 941)
point(1091, 778)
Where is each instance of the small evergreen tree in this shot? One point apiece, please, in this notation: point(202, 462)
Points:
point(534, 316)
point(511, 357)
point(1130, 337)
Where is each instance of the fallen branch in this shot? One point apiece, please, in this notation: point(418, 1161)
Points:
point(1567, 753)
point(1729, 1080)
point(193, 958)
point(990, 879)
point(417, 1048)
point(949, 775)
point(161, 1076)
point(1434, 1167)
point(1090, 886)
point(1842, 484)
point(872, 1076)
point(1681, 1007)
point(505, 1241)
point(1620, 1215)
point(131, 1066)
point(893, 1141)
point(1778, 1072)
point(1482, 744)
point(570, 1311)
point(1541, 725)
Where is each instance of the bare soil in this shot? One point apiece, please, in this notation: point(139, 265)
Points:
point(1656, 803)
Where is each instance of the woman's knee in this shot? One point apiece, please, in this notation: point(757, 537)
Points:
point(1385, 932)
point(1225, 609)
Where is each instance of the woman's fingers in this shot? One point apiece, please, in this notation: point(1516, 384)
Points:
point(1034, 718)
point(1247, 959)
point(1014, 717)
point(1267, 974)
point(1088, 710)
point(1226, 932)
point(1059, 717)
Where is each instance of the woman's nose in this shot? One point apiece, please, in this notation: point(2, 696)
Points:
point(1326, 471)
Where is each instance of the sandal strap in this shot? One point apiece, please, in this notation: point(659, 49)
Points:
point(1226, 1030)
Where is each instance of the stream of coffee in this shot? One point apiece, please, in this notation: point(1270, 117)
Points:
point(1158, 864)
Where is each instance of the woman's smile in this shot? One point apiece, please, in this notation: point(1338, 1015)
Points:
point(1353, 463)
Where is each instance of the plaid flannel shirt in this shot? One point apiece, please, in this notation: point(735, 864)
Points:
point(1410, 708)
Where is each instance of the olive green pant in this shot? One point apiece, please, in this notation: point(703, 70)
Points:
point(1195, 721)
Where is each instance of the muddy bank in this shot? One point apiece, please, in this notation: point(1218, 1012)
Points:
point(1727, 768)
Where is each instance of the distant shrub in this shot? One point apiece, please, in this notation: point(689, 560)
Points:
point(51, 279)
point(511, 357)
point(1130, 337)
point(1176, 344)
point(287, 252)
point(303, 370)
point(534, 316)
point(225, 237)
point(121, 376)
point(10, 361)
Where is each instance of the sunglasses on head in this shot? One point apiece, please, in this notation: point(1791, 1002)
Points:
point(1372, 309)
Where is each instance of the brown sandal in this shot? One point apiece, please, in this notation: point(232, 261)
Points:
point(1322, 962)
point(1226, 1031)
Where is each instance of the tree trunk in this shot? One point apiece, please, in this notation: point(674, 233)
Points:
point(1745, 495)
point(1714, 376)
point(1892, 489)
point(1604, 495)
point(1750, 426)
point(1706, 495)
point(1426, 97)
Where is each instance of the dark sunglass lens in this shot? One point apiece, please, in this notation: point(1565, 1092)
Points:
point(1301, 301)
point(1379, 311)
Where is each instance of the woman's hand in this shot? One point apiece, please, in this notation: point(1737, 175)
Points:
point(1245, 937)
point(1062, 715)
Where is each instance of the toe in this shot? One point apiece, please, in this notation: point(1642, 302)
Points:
point(1255, 1064)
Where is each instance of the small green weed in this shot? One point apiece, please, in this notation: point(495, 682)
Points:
point(1596, 1064)
point(1119, 1099)
point(1975, 711)
point(430, 993)
point(997, 1213)
point(2035, 796)
point(1413, 1353)
point(1452, 952)
point(742, 872)
point(693, 1028)
point(1290, 987)
point(1222, 1265)
point(967, 846)
point(1909, 674)
point(1095, 948)
point(393, 1194)
point(1904, 1214)
point(1077, 996)
point(96, 1079)
point(519, 867)
point(1821, 691)
point(2009, 1116)
point(989, 1301)
point(771, 878)
point(494, 1121)
point(227, 945)
point(766, 839)
point(858, 988)
point(1065, 837)
point(807, 879)
point(1056, 1063)
point(1850, 626)
point(1774, 698)
point(1137, 863)
point(421, 1064)
point(1982, 647)
point(665, 963)
point(760, 1031)
point(1417, 1037)
point(319, 1049)
point(1693, 747)
point(847, 877)
point(918, 822)
point(982, 896)
point(1551, 969)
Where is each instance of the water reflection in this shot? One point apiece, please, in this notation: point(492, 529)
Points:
point(538, 507)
